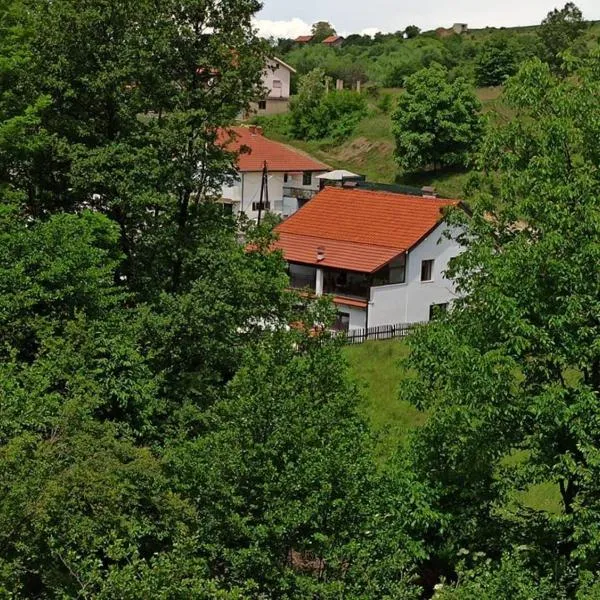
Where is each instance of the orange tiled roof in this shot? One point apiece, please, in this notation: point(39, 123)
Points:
point(303, 39)
point(332, 39)
point(279, 157)
point(360, 230)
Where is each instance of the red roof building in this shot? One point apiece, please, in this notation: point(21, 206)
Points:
point(362, 230)
point(304, 39)
point(254, 149)
point(381, 255)
point(333, 40)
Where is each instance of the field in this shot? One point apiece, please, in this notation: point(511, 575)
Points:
point(377, 368)
point(370, 150)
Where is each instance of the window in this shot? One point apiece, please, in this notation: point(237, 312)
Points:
point(227, 209)
point(276, 84)
point(306, 178)
point(262, 105)
point(256, 206)
point(285, 177)
point(427, 270)
point(342, 322)
point(435, 310)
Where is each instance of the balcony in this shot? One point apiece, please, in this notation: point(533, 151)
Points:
point(300, 193)
point(343, 283)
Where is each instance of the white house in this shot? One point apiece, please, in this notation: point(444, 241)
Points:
point(291, 175)
point(276, 81)
point(382, 256)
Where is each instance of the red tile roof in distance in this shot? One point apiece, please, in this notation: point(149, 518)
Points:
point(303, 39)
point(360, 230)
point(279, 157)
point(332, 39)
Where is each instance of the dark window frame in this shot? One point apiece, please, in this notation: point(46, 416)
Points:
point(262, 105)
point(307, 178)
point(427, 270)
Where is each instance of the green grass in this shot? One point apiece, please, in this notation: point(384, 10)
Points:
point(370, 150)
point(376, 367)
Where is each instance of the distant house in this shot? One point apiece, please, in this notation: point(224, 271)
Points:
point(382, 256)
point(304, 39)
point(276, 81)
point(333, 41)
point(460, 28)
point(292, 175)
point(456, 29)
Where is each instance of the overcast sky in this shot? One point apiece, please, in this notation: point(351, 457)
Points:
point(286, 18)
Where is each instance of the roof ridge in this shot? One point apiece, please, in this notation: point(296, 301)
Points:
point(389, 193)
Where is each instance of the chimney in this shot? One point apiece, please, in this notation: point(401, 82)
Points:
point(252, 129)
point(429, 191)
point(320, 253)
point(258, 130)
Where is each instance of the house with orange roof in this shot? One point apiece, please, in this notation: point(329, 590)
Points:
point(333, 41)
point(304, 39)
point(292, 176)
point(382, 256)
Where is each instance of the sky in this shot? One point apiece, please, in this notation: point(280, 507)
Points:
point(286, 18)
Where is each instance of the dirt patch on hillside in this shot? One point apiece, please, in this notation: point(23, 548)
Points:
point(358, 150)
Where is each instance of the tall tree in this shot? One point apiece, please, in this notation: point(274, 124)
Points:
point(436, 123)
point(512, 378)
point(321, 30)
point(558, 32)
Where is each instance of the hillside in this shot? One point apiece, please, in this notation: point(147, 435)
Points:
point(370, 150)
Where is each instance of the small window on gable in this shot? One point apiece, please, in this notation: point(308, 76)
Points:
point(262, 105)
point(427, 270)
point(306, 178)
point(276, 84)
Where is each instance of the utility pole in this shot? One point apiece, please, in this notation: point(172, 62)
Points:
point(264, 191)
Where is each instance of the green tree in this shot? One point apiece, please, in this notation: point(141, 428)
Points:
point(412, 31)
point(559, 30)
point(512, 377)
point(321, 30)
point(316, 113)
point(436, 123)
point(498, 59)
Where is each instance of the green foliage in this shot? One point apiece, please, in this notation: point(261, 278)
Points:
point(498, 59)
point(516, 365)
point(412, 31)
point(317, 113)
point(385, 103)
point(511, 580)
point(559, 30)
point(321, 30)
point(436, 123)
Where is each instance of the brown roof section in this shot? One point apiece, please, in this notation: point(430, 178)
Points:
point(332, 39)
point(360, 230)
point(255, 149)
point(303, 39)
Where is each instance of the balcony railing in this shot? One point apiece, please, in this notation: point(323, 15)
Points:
point(300, 193)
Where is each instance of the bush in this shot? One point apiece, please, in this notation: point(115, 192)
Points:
point(317, 114)
point(385, 103)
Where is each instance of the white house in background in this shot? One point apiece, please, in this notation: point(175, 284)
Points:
point(276, 80)
point(292, 175)
point(382, 256)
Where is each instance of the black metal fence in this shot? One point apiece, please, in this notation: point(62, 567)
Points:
point(383, 332)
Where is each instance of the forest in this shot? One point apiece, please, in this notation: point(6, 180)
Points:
point(164, 432)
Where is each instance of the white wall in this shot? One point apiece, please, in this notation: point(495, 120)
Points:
point(410, 302)
point(358, 316)
point(274, 71)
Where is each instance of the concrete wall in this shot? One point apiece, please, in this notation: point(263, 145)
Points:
point(410, 302)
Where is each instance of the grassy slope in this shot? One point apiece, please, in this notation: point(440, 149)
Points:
point(370, 151)
point(377, 368)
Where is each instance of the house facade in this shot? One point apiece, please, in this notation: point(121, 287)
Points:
point(292, 176)
point(276, 82)
point(381, 256)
